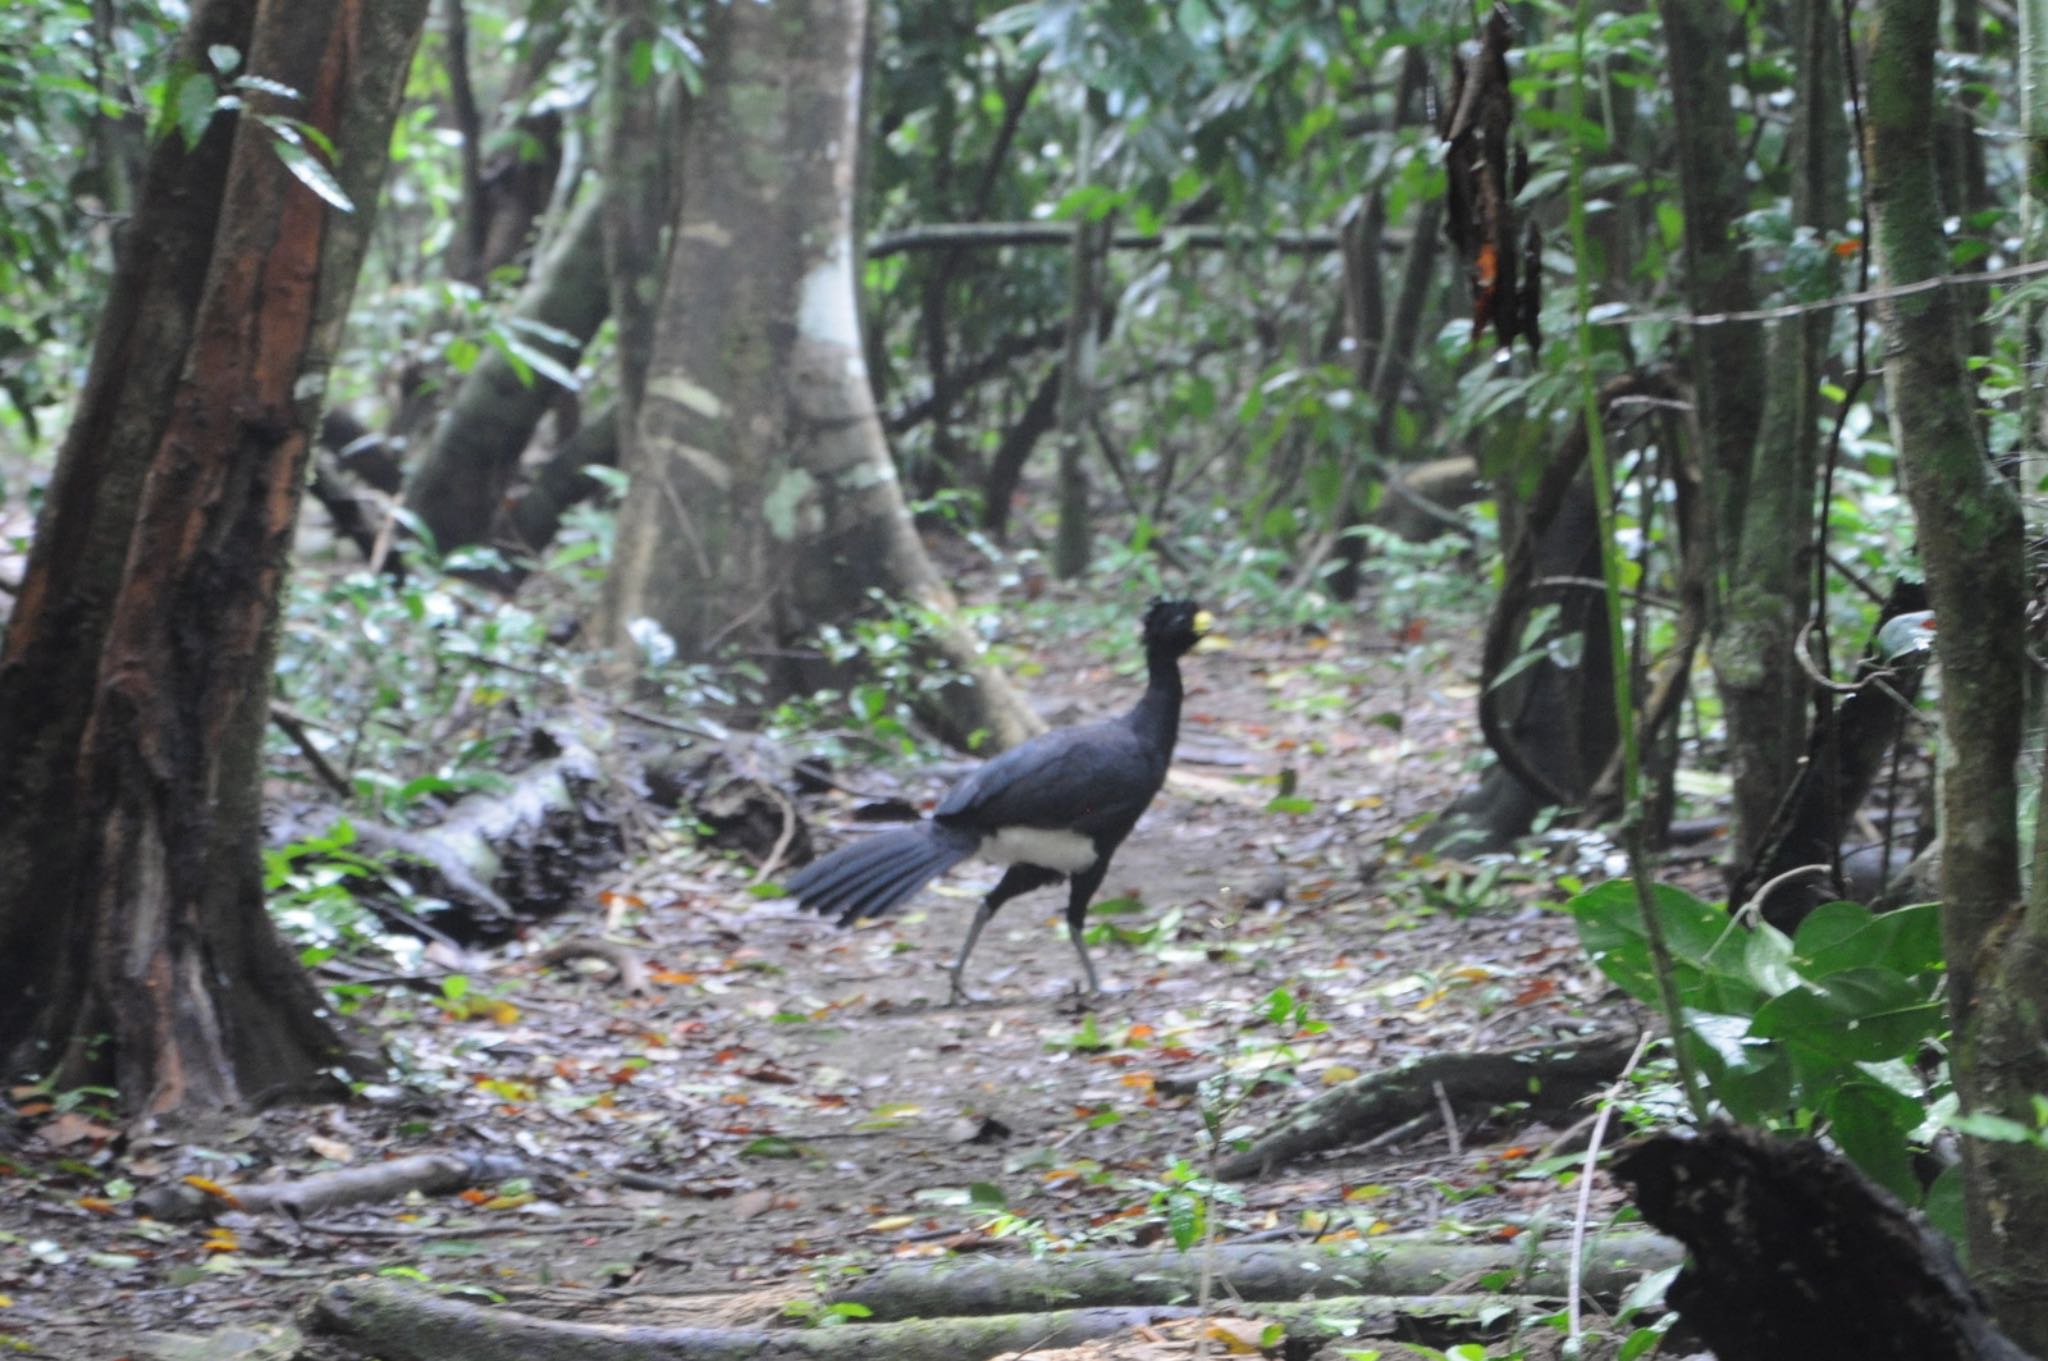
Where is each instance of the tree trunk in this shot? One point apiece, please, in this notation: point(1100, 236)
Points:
point(1763, 688)
point(764, 501)
point(1072, 546)
point(637, 185)
point(134, 945)
point(458, 490)
point(1728, 367)
point(1971, 543)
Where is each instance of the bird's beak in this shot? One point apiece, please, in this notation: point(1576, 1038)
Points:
point(1204, 621)
point(1206, 640)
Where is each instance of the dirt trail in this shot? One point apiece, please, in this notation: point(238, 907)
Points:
point(792, 1097)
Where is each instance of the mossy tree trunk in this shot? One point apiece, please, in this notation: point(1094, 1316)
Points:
point(764, 502)
point(1971, 542)
point(1769, 595)
point(1728, 376)
point(134, 945)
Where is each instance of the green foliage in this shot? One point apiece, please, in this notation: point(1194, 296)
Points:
point(308, 886)
point(70, 163)
point(1822, 1030)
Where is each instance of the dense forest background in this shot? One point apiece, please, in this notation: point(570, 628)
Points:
point(466, 462)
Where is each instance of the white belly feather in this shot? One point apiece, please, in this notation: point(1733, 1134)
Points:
point(1067, 852)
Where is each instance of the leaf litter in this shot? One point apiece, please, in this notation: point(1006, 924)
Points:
point(773, 1098)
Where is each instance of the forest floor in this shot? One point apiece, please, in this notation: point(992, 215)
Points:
point(787, 1099)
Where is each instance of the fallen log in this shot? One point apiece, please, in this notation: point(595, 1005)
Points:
point(1796, 1253)
point(1554, 1074)
point(394, 1321)
point(496, 859)
point(1251, 1271)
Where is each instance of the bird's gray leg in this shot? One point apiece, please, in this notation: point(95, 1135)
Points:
point(957, 992)
point(1078, 896)
point(1087, 965)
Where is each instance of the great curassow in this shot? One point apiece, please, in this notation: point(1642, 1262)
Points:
point(1055, 807)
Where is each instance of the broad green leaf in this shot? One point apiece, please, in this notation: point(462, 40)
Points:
point(1856, 1016)
point(1838, 936)
point(1872, 1123)
point(1750, 1077)
point(1706, 953)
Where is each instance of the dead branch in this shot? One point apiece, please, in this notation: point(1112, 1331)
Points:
point(427, 1173)
point(398, 1322)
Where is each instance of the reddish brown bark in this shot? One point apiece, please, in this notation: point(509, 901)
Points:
point(172, 980)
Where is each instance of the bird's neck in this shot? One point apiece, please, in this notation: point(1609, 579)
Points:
point(1157, 716)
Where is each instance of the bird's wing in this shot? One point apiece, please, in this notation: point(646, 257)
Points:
point(1095, 779)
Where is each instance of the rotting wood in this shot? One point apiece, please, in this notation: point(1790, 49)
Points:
point(521, 852)
point(1251, 1271)
point(1554, 1073)
point(1796, 1253)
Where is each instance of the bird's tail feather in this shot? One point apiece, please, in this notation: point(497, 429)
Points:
point(874, 875)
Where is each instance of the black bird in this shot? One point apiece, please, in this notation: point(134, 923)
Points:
point(1055, 807)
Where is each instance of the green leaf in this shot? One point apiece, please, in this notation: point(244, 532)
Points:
point(1751, 1077)
point(1873, 1124)
point(307, 170)
point(1944, 1204)
point(1708, 960)
point(1997, 1128)
point(1839, 936)
point(1185, 1214)
point(1291, 803)
point(1856, 1016)
point(194, 100)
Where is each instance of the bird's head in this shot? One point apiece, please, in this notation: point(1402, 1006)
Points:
point(1174, 626)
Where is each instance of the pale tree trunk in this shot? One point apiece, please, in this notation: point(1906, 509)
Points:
point(1971, 542)
point(764, 502)
point(134, 944)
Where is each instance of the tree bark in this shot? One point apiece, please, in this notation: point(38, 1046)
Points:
point(1763, 687)
point(58, 627)
point(1728, 367)
point(765, 503)
point(1971, 542)
point(133, 888)
point(1085, 282)
point(397, 1322)
point(637, 186)
point(1389, 1265)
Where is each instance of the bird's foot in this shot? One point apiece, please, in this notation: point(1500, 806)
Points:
point(1078, 1002)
